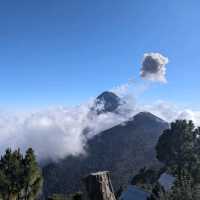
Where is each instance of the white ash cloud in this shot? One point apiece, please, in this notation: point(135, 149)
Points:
point(154, 67)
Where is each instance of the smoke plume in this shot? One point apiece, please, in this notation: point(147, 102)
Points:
point(154, 67)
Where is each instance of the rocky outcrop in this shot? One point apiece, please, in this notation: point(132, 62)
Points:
point(99, 187)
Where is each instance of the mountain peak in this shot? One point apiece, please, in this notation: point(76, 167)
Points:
point(107, 102)
point(144, 116)
point(107, 96)
point(120, 148)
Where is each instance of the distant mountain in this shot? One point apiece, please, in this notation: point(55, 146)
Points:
point(123, 150)
point(107, 102)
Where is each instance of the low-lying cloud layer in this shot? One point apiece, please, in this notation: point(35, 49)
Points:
point(55, 133)
point(61, 131)
point(170, 112)
point(154, 67)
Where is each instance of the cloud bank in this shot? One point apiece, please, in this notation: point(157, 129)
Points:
point(154, 67)
point(171, 112)
point(58, 132)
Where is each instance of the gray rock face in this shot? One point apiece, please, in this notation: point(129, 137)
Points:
point(99, 187)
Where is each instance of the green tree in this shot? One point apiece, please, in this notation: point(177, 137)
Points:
point(183, 188)
point(146, 176)
point(158, 193)
point(5, 170)
point(11, 170)
point(20, 177)
point(32, 176)
point(176, 147)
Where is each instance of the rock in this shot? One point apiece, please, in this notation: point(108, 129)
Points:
point(98, 186)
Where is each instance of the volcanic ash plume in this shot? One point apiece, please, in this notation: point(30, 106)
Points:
point(154, 67)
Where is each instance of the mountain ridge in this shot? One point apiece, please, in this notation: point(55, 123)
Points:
point(122, 149)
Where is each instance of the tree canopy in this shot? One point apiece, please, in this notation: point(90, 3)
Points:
point(178, 148)
point(20, 176)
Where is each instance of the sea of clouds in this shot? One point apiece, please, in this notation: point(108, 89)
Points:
point(57, 132)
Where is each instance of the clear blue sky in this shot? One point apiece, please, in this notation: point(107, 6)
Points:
point(65, 51)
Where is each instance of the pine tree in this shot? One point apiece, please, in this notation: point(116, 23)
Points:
point(32, 176)
point(158, 193)
point(183, 187)
point(5, 182)
point(20, 177)
point(176, 147)
point(10, 172)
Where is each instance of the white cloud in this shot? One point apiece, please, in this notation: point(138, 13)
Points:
point(58, 132)
point(170, 112)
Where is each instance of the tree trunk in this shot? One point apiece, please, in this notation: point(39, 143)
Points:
point(99, 187)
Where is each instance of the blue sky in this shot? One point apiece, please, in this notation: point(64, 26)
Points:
point(63, 52)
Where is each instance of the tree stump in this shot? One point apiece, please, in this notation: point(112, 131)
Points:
point(99, 187)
